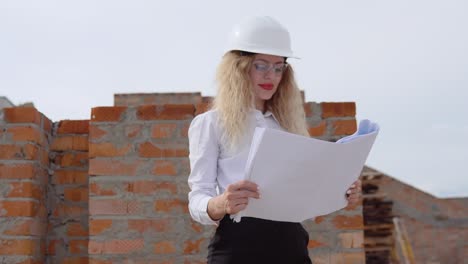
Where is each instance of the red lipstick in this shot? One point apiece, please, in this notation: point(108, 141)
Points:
point(266, 86)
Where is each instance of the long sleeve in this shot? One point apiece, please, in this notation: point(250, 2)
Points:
point(204, 151)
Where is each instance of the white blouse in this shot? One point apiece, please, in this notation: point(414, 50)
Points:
point(213, 168)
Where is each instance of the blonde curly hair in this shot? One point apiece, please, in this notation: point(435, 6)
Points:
point(235, 98)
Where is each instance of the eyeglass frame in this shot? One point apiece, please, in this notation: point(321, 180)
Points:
point(271, 66)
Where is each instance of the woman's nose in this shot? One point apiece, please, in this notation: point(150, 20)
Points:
point(269, 74)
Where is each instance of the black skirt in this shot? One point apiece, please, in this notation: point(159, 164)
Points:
point(255, 240)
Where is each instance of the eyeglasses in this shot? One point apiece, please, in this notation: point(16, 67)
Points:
point(263, 67)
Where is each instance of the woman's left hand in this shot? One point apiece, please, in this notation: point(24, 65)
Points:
point(353, 194)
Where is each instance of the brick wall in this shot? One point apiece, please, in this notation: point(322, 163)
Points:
point(138, 190)
point(137, 99)
point(118, 186)
point(338, 237)
point(24, 165)
point(437, 228)
point(67, 238)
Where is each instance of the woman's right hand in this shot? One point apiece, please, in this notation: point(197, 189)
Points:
point(233, 200)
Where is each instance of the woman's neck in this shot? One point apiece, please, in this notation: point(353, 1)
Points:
point(260, 105)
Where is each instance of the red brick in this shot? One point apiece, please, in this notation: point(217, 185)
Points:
point(192, 247)
point(46, 125)
point(17, 171)
point(184, 130)
point(97, 226)
point(69, 211)
point(18, 208)
point(44, 157)
point(107, 114)
point(19, 152)
point(22, 115)
point(132, 131)
point(174, 205)
point(78, 246)
point(77, 230)
point(99, 261)
point(308, 109)
point(51, 247)
point(196, 227)
point(338, 109)
point(344, 127)
point(108, 150)
point(31, 260)
point(319, 130)
point(136, 99)
point(164, 167)
point(73, 127)
point(202, 108)
point(348, 222)
point(114, 167)
point(70, 177)
point(319, 219)
point(26, 133)
point(348, 258)
point(163, 130)
point(154, 225)
point(321, 257)
point(30, 152)
point(114, 207)
point(17, 247)
point(207, 99)
point(74, 260)
point(42, 210)
point(26, 227)
point(72, 159)
point(164, 247)
point(151, 187)
point(96, 189)
point(76, 194)
point(96, 133)
point(315, 244)
point(170, 98)
point(166, 112)
point(149, 150)
point(124, 246)
point(25, 190)
point(63, 143)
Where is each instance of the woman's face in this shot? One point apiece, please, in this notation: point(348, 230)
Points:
point(266, 73)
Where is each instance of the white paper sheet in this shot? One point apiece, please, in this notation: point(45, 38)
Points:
point(299, 177)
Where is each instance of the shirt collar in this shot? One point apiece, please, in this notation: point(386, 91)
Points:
point(268, 113)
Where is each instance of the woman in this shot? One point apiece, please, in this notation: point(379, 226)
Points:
point(256, 88)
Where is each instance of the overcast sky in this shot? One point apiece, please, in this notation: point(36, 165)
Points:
point(404, 63)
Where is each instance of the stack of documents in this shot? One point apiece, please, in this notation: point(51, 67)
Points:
point(300, 177)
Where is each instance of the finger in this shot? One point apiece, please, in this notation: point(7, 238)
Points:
point(354, 197)
point(246, 193)
point(356, 184)
point(232, 203)
point(241, 194)
point(235, 206)
point(244, 184)
point(353, 191)
point(239, 207)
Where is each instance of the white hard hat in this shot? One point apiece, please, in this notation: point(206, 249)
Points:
point(261, 35)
